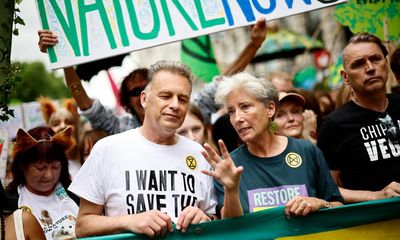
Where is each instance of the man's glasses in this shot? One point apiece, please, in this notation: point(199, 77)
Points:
point(136, 91)
point(392, 132)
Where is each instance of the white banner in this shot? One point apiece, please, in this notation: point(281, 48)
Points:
point(88, 30)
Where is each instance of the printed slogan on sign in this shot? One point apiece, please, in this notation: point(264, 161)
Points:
point(88, 30)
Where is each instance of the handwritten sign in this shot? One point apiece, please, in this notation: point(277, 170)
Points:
point(88, 30)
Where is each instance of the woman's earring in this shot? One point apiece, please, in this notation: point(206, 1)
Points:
point(272, 126)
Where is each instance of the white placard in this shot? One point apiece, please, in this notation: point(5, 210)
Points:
point(88, 30)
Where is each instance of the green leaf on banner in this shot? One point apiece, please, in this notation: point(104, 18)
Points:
point(198, 54)
point(369, 16)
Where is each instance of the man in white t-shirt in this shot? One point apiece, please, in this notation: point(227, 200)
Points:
point(144, 180)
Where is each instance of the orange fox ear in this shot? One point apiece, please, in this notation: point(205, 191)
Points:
point(47, 107)
point(70, 105)
point(23, 141)
point(64, 138)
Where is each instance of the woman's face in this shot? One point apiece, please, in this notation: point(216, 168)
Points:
point(289, 118)
point(41, 177)
point(248, 116)
point(135, 86)
point(192, 128)
point(61, 120)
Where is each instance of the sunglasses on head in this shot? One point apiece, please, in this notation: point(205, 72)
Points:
point(136, 91)
point(392, 132)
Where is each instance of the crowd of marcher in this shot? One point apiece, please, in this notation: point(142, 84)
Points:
point(165, 163)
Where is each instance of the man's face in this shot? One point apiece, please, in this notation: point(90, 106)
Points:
point(166, 102)
point(366, 69)
point(134, 86)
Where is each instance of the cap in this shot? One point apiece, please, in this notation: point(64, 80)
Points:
point(292, 96)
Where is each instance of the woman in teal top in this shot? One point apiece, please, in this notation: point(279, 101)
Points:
point(274, 170)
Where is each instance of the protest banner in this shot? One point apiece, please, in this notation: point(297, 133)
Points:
point(32, 115)
point(377, 219)
point(26, 115)
point(96, 29)
point(13, 124)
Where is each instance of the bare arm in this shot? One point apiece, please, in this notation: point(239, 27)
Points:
point(75, 86)
point(98, 116)
point(354, 196)
point(228, 175)
point(258, 34)
point(48, 39)
point(91, 222)
point(32, 229)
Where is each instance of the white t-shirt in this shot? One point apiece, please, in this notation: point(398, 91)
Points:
point(56, 213)
point(129, 174)
point(73, 166)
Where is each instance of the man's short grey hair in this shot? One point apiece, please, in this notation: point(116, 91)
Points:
point(258, 87)
point(174, 67)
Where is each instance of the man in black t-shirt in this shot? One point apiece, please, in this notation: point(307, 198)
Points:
point(361, 140)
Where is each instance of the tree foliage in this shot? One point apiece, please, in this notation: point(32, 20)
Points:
point(36, 81)
point(9, 20)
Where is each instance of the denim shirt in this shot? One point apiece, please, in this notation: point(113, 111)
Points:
point(104, 119)
point(204, 99)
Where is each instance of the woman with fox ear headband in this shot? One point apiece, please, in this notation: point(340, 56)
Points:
point(41, 179)
point(59, 118)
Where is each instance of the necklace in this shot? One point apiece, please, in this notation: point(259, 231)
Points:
point(3, 226)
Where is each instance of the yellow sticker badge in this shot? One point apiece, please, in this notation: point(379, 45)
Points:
point(191, 162)
point(293, 160)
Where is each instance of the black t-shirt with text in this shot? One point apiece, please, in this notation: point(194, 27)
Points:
point(354, 142)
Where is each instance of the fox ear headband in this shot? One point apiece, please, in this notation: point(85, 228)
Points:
point(48, 108)
point(25, 141)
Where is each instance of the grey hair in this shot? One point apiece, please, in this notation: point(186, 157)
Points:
point(174, 67)
point(258, 87)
